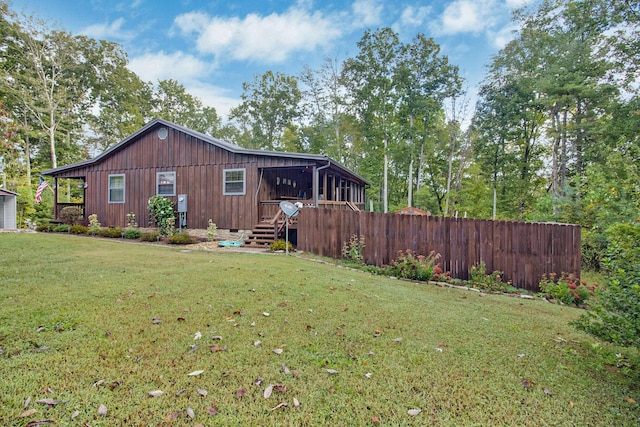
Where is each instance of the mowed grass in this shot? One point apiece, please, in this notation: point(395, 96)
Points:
point(77, 326)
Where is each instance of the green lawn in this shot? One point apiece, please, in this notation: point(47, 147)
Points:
point(93, 322)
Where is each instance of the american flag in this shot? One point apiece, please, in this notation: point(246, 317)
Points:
point(43, 184)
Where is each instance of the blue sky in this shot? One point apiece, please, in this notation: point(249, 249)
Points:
point(212, 47)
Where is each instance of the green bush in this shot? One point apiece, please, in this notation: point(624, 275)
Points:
point(162, 215)
point(70, 214)
point(150, 237)
point(181, 239)
point(44, 227)
point(410, 265)
point(111, 232)
point(352, 250)
point(567, 289)
point(94, 224)
point(62, 228)
point(615, 316)
point(281, 245)
point(78, 229)
point(131, 233)
point(492, 282)
point(211, 231)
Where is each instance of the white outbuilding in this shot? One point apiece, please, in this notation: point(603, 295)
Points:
point(8, 203)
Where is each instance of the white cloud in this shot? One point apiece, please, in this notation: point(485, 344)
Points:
point(108, 31)
point(271, 38)
point(517, 3)
point(503, 36)
point(152, 67)
point(366, 13)
point(414, 16)
point(466, 16)
point(213, 96)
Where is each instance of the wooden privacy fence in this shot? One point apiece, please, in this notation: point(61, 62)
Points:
point(523, 251)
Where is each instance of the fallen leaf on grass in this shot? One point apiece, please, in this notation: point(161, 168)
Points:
point(98, 383)
point(414, 412)
point(527, 383)
point(216, 337)
point(213, 410)
point(190, 413)
point(114, 384)
point(39, 423)
point(197, 335)
point(27, 413)
point(375, 419)
point(102, 410)
point(179, 392)
point(397, 340)
point(265, 314)
point(296, 402)
point(195, 373)
point(278, 351)
point(75, 414)
point(280, 405)
point(285, 369)
point(332, 371)
point(258, 381)
point(181, 319)
point(242, 392)
point(630, 400)
point(268, 391)
point(49, 401)
point(547, 391)
point(202, 393)
point(27, 402)
point(257, 343)
point(215, 348)
point(156, 393)
point(156, 320)
point(171, 417)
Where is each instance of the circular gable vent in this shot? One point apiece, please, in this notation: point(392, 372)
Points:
point(163, 133)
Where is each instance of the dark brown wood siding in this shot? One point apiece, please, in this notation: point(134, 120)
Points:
point(199, 167)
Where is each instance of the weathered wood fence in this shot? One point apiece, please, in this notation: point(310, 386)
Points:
point(523, 251)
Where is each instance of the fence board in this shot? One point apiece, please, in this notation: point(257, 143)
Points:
point(523, 251)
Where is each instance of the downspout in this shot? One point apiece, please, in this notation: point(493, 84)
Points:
point(316, 178)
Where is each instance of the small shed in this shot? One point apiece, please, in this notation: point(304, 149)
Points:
point(8, 203)
point(413, 211)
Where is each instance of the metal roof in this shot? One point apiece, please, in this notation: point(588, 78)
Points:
point(211, 140)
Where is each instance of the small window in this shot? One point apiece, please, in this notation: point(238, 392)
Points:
point(116, 188)
point(166, 183)
point(234, 182)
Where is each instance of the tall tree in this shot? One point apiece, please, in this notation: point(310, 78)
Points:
point(269, 105)
point(372, 83)
point(172, 102)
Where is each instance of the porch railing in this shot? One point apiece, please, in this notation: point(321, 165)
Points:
point(269, 208)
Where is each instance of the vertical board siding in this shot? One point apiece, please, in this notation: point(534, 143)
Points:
point(524, 252)
point(199, 167)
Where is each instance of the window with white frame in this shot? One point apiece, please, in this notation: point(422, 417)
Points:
point(166, 183)
point(116, 188)
point(234, 182)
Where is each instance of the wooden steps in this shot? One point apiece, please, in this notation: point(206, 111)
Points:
point(262, 234)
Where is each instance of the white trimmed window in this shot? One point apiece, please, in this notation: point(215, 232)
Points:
point(234, 182)
point(166, 183)
point(116, 188)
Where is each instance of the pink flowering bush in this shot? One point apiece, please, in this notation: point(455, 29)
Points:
point(410, 265)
